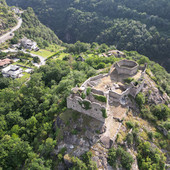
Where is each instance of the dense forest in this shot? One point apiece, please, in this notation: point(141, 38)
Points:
point(29, 112)
point(34, 120)
point(142, 26)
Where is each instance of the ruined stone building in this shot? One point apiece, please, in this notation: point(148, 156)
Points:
point(97, 95)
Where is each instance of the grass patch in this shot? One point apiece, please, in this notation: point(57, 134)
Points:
point(44, 53)
point(100, 98)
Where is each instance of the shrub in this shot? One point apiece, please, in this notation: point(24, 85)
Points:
point(129, 124)
point(140, 99)
point(128, 80)
point(83, 96)
point(129, 139)
point(85, 105)
point(100, 98)
point(74, 132)
point(125, 158)
point(88, 91)
point(161, 111)
point(101, 65)
point(150, 135)
point(104, 114)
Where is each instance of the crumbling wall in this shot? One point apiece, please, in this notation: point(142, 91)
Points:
point(94, 111)
point(118, 96)
point(99, 92)
point(136, 89)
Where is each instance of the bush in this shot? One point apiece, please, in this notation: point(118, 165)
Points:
point(129, 124)
point(83, 96)
point(100, 98)
point(88, 91)
point(128, 80)
point(104, 114)
point(125, 158)
point(101, 65)
point(150, 135)
point(85, 105)
point(140, 99)
point(161, 111)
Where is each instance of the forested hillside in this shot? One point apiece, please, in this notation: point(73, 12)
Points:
point(31, 127)
point(32, 28)
point(132, 25)
point(7, 18)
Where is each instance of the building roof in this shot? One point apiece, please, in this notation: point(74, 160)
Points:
point(4, 62)
point(10, 67)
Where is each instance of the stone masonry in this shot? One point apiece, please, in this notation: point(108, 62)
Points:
point(109, 86)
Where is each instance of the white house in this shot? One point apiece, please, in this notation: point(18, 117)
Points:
point(12, 71)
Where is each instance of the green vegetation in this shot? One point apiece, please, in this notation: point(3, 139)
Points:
point(149, 158)
point(88, 91)
point(140, 99)
point(85, 105)
point(104, 113)
point(32, 28)
point(86, 163)
point(100, 98)
point(7, 18)
point(128, 80)
point(138, 25)
point(83, 96)
point(44, 53)
point(121, 155)
point(129, 124)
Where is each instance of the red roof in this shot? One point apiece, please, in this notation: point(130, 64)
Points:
point(5, 62)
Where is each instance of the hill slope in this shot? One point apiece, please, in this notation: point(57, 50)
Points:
point(136, 25)
point(32, 28)
point(7, 18)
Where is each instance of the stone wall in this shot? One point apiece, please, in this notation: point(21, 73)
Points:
point(136, 89)
point(99, 92)
point(121, 69)
point(95, 110)
point(118, 96)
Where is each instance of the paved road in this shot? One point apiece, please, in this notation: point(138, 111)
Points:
point(7, 36)
point(42, 60)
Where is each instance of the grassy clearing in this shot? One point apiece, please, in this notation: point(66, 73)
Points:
point(44, 53)
point(24, 78)
point(54, 48)
point(61, 56)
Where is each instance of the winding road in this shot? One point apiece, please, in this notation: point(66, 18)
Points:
point(42, 60)
point(9, 35)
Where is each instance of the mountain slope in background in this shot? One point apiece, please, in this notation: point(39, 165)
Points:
point(32, 28)
point(142, 26)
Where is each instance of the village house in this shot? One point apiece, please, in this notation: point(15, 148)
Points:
point(29, 44)
point(5, 62)
point(12, 71)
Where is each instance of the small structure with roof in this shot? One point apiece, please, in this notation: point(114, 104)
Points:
point(5, 62)
point(29, 44)
point(12, 71)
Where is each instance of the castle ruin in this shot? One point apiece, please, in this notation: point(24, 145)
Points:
point(97, 95)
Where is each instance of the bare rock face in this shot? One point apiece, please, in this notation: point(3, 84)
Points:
point(103, 129)
point(105, 140)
